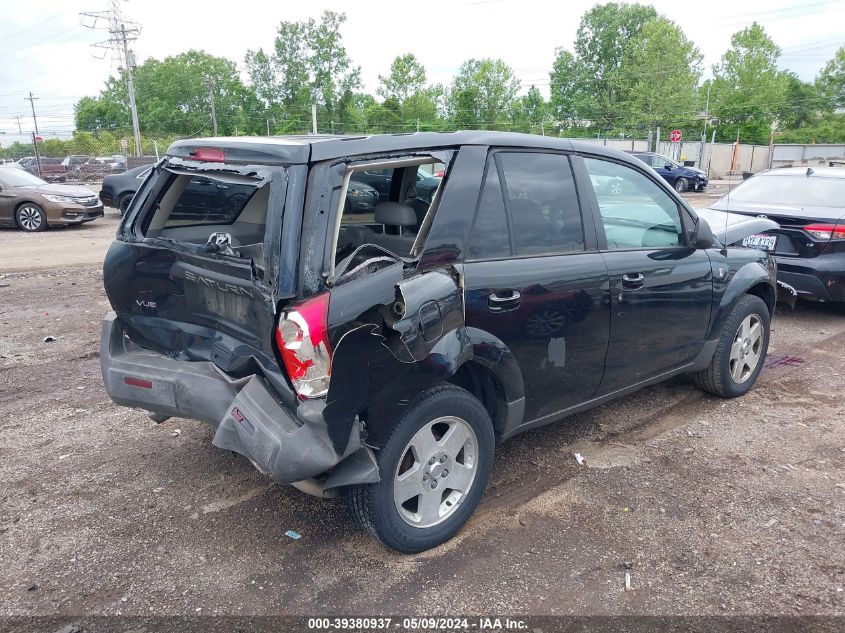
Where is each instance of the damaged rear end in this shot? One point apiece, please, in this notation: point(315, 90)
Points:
point(221, 311)
point(203, 265)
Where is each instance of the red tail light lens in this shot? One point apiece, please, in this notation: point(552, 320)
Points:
point(826, 231)
point(303, 339)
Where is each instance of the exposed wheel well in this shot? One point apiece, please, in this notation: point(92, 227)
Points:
point(484, 385)
point(766, 293)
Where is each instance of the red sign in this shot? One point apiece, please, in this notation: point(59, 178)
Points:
point(38, 139)
point(675, 136)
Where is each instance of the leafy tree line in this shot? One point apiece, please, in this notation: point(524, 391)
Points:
point(630, 70)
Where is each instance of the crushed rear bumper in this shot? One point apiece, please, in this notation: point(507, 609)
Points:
point(290, 445)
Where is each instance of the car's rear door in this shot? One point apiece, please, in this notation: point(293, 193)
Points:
point(661, 288)
point(534, 279)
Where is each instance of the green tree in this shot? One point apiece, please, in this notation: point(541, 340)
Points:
point(564, 88)
point(663, 68)
point(831, 82)
point(747, 87)
point(531, 112)
point(482, 95)
point(308, 65)
point(602, 42)
point(406, 78)
point(801, 104)
point(173, 96)
point(406, 86)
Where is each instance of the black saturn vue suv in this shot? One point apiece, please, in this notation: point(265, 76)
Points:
point(383, 358)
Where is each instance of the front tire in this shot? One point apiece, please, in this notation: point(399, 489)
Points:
point(434, 467)
point(740, 352)
point(31, 217)
point(125, 200)
point(681, 185)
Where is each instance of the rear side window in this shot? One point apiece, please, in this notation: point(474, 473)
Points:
point(543, 204)
point(490, 237)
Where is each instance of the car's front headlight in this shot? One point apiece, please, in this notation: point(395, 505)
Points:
point(58, 198)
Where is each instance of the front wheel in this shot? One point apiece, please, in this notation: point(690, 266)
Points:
point(740, 351)
point(123, 204)
point(434, 467)
point(31, 217)
point(681, 185)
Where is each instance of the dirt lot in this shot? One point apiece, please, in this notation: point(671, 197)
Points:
point(712, 506)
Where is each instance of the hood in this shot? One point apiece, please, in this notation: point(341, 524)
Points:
point(74, 191)
point(695, 170)
point(729, 228)
point(361, 186)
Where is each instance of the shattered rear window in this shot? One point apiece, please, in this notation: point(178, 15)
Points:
point(208, 201)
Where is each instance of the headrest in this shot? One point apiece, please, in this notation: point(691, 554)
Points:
point(395, 214)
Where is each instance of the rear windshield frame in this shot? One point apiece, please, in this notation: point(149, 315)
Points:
point(135, 223)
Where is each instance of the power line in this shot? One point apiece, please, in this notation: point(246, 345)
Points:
point(118, 43)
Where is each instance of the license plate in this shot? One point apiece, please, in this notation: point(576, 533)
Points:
point(763, 242)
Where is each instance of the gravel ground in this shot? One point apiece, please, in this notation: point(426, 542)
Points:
point(712, 506)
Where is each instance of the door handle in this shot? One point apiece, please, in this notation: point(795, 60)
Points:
point(632, 281)
point(503, 300)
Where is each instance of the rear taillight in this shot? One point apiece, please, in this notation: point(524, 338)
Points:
point(826, 232)
point(303, 339)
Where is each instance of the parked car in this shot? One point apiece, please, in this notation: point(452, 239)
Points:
point(809, 244)
point(360, 197)
point(52, 169)
point(31, 204)
point(384, 361)
point(73, 162)
point(117, 189)
point(680, 177)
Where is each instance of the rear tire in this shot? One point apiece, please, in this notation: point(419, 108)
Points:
point(430, 485)
point(681, 185)
point(30, 217)
point(740, 352)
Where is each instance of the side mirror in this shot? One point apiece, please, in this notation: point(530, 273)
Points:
point(703, 236)
point(667, 166)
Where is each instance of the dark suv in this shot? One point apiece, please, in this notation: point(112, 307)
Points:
point(682, 178)
point(384, 358)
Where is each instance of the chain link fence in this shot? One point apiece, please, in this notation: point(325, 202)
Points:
point(85, 158)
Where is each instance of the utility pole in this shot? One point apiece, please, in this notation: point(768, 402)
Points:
point(130, 62)
point(118, 42)
point(704, 133)
point(313, 118)
point(35, 135)
point(210, 85)
point(19, 117)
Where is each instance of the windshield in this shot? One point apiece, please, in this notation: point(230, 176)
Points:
point(19, 178)
point(796, 190)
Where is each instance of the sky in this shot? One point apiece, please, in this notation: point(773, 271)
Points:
point(45, 48)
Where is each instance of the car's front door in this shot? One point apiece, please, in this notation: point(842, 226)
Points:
point(534, 279)
point(664, 167)
point(661, 287)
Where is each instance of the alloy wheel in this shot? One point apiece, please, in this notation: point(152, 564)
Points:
point(30, 218)
point(436, 471)
point(746, 349)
